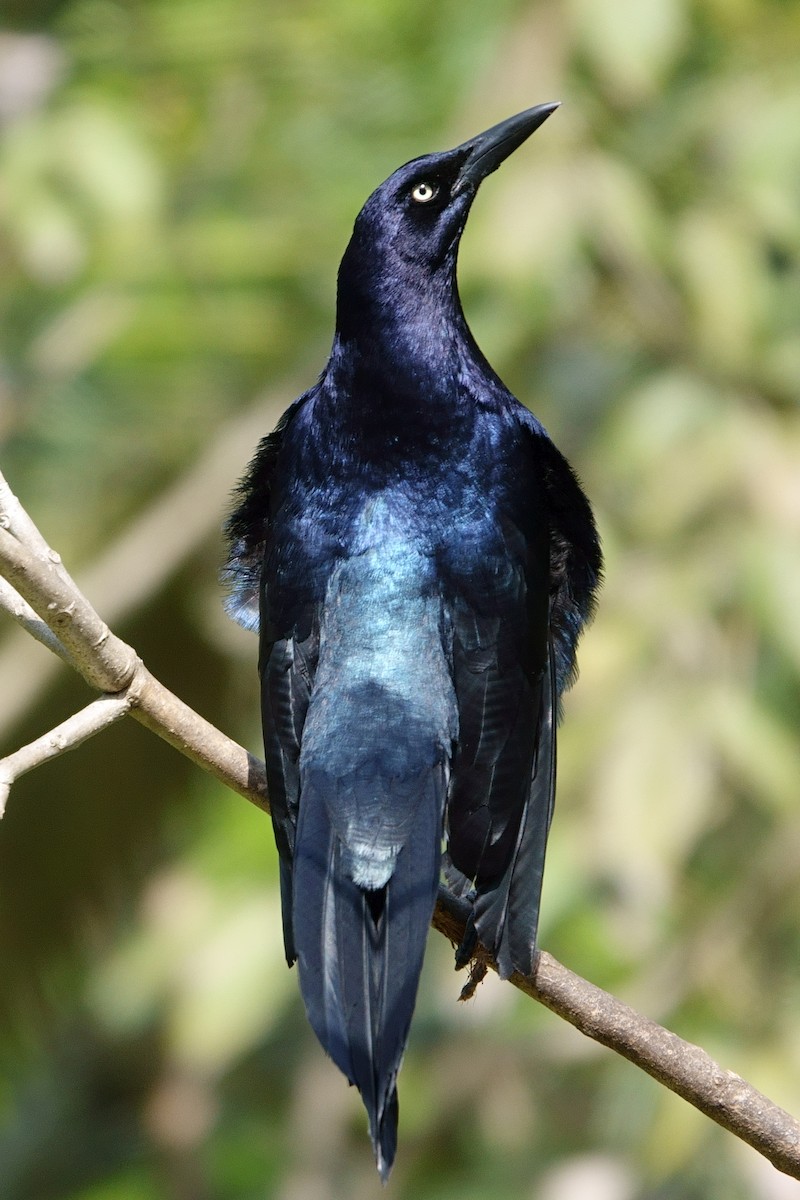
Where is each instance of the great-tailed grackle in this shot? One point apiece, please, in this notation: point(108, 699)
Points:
point(420, 561)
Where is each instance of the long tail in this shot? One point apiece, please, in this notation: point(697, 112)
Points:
point(360, 951)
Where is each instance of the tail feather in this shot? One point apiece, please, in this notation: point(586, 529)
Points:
point(360, 951)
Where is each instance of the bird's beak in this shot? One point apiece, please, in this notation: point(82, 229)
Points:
point(486, 151)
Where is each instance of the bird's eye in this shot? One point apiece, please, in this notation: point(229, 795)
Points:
point(423, 192)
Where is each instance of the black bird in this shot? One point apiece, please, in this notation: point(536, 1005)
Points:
point(420, 561)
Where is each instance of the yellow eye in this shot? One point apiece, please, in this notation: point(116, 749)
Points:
point(424, 192)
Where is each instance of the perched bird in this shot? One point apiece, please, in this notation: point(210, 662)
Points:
point(419, 560)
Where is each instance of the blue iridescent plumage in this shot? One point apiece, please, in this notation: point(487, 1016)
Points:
point(420, 561)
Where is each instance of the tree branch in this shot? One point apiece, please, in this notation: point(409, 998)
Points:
point(110, 665)
point(150, 548)
point(680, 1065)
point(683, 1067)
point(43, 596)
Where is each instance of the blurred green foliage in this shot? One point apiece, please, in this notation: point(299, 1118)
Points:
point(177, 181)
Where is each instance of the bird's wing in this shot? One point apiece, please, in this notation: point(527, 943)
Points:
point(503, 780)
point(287, 659)
point(287, 676)
point(514, 643)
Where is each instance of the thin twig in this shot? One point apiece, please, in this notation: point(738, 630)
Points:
point(12, 603)
point(70, 733)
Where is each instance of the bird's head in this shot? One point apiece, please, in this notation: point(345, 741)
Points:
point(410, 226)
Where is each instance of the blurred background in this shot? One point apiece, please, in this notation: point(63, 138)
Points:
point(178, 179)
